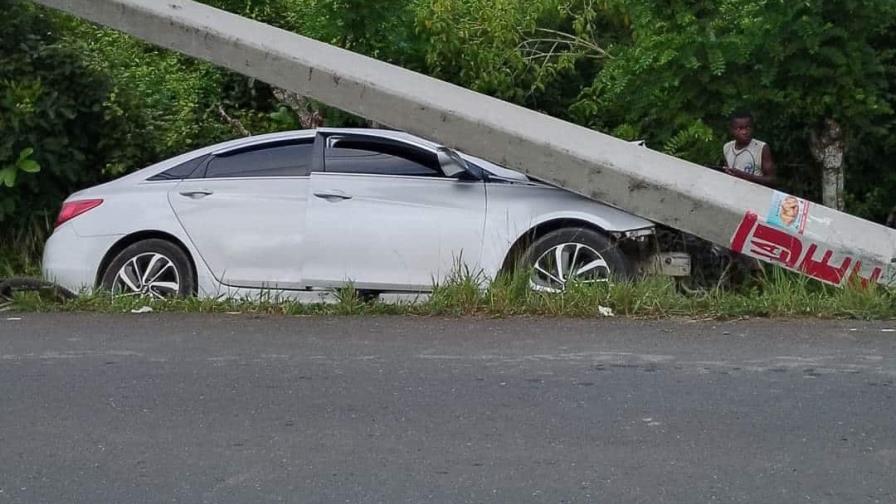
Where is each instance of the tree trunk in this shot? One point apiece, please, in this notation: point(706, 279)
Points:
point(307, 113)
point(234, 123)
point(828, 149)
point(832, 186)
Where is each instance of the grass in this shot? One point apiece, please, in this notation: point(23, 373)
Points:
point(776, 293)
point(20, 252)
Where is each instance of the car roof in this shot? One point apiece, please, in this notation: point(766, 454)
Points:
point(287, 135)
point(243, 142)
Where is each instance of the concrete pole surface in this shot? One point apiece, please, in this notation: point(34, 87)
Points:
point(823, 243)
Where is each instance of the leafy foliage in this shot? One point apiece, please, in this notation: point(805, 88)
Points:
point(685, 67)
point(23, 163)
point(505, 48)
point(51, 116)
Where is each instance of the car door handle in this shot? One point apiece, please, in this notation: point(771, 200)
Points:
point(197, 193)
point(332, 194)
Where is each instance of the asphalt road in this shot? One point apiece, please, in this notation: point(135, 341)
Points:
point(236, 409)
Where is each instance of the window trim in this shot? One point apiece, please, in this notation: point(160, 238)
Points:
point(255, 142)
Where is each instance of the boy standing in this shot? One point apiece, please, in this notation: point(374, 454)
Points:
point(746, 157)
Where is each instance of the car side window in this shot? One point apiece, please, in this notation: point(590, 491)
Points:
point(380, 158)
point(181, 171)
point(285, 159)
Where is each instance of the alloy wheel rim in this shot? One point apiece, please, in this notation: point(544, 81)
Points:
point(565, 263)
point(149, 274)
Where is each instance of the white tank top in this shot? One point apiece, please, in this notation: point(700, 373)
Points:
point(748, 159)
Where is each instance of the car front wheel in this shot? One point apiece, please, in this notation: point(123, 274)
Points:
point(153, 268)
point(573, 255)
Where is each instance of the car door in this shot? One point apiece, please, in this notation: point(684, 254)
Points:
point(383, 216)
point(245, 213)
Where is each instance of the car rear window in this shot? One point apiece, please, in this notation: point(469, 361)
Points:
point(181, 171)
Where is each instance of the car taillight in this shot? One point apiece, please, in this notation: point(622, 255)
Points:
point(72, 209)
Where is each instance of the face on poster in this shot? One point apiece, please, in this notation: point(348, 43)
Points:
point(788, 212)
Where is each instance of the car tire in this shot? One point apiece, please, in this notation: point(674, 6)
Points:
point(154, 267)
point(580, 247)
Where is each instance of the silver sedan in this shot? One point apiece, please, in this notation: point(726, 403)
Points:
point(312, 210)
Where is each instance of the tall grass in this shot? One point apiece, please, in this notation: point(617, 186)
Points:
point(776, 293)
point(21, 248)
point(772, 293)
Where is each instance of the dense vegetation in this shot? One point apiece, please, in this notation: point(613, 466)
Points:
point(79, 104)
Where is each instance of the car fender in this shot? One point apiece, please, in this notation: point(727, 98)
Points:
point(514, 211)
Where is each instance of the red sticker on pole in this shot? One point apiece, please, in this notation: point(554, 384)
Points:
point(790, 250)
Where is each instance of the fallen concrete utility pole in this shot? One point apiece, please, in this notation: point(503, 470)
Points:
point(823, 243)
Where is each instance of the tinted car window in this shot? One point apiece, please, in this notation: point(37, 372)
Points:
point(351, 156)
point(281, 160)
point(181, 171)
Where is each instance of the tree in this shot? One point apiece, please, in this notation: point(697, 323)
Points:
point(811, 71)
point(834, 79)
point(82, 104)
point(51, 117)
point(504, 48)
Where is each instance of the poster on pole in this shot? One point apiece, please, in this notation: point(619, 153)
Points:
point(788, 212)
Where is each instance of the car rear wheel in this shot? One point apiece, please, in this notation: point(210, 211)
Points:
point(153, 268)
point(573, 255)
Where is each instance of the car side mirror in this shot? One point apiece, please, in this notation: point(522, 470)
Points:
point(453, 166)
